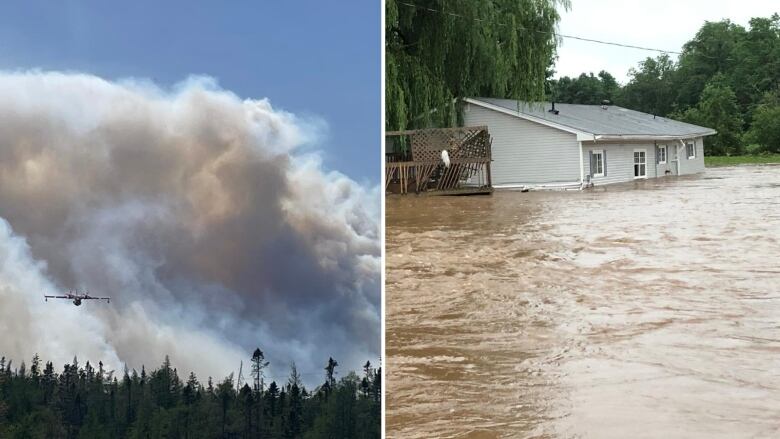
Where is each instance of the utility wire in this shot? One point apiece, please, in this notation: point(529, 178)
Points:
point(574, 37)
point(611, 43)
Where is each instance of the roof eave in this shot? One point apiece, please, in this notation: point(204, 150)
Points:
point(598, 137)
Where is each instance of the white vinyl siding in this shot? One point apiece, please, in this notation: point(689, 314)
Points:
point(693, 165)
point(668, 166)
point(533, 154)
point(619, 158)
point(525, 152)
point(676, 152)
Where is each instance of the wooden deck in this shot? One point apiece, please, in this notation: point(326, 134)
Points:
point(413, 163)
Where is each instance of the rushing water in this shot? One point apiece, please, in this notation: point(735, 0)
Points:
point(649, 309)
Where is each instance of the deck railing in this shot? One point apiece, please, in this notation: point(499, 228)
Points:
point(413, 162)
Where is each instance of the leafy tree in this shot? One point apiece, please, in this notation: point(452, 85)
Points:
point(711, 51)
point(724, 78)
point(765, 131)
point(440, 50)
point(718, 109)
point(650, 87)
point(585, 89)
point(757, 71)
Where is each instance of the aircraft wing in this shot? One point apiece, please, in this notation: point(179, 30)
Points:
point(56, 297)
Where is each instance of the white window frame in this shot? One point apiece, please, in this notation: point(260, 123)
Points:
point(600, 152)
point(634, 163)
point(666, 150)
point(692, 149)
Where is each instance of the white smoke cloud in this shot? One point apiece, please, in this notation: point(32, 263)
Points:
point(200, 215)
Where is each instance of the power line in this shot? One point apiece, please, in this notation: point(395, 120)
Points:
point(553, 33)
point(611, 43)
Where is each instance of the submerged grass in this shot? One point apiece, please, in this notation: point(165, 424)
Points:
point(714, 161)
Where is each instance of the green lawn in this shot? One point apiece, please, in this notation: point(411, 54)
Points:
point(713, 161)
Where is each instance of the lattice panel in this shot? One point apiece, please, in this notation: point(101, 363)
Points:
point(427, 145)
point(468, 149)
point(476, 144)
point(464, 142)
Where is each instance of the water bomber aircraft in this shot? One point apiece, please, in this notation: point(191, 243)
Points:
point(77, 298)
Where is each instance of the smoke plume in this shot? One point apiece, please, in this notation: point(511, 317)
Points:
point(201, 215)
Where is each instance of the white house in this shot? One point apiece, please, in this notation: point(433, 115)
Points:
point(568, 145)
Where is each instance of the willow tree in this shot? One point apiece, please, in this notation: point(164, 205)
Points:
point(438, 51)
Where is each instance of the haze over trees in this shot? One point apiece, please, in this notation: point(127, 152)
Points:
point(727, 78)
point(439, 50)
point(84, 401)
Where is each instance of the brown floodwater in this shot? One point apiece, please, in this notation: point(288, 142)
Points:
point(649, 309)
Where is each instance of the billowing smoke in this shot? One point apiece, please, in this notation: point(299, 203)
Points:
point(206, 218)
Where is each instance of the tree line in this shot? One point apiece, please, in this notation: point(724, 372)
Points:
point(727, 78)
point(84, 401)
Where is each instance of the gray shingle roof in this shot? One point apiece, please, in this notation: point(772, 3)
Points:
point(593, 119)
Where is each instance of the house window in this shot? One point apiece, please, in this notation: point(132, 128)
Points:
point(597, 164)
point(691, 148)
point(640, 163)
point(662, 154)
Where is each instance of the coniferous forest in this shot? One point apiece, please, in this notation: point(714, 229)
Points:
point(87, 401)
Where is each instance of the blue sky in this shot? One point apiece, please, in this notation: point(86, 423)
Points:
point(312, 58)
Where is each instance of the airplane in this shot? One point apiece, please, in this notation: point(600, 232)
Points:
point(77, 298)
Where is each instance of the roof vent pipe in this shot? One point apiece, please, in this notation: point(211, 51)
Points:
point(605, 104)
point(553, 110)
